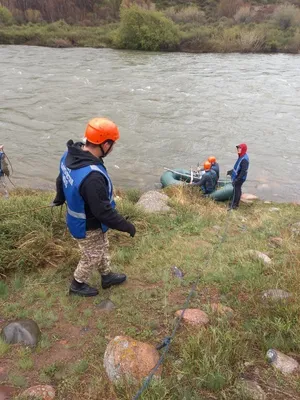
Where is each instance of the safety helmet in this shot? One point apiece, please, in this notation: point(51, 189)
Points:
point(99, 130)
point(212, 159)
point(207, 166)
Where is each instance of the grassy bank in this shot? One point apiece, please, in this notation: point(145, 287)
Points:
point(37, 258)
point(228, 26)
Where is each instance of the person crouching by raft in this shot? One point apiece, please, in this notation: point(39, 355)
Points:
point(208, 180)
point(85, 185)
point(239, 174)
point(4, 171)
point(214, 166)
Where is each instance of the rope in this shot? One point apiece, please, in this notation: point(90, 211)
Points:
point(166, 343)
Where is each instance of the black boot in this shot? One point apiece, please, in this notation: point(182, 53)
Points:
point(112, 279)
point(82, 289)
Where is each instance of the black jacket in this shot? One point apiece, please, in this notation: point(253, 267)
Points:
point(207, 182)
point(94, 191)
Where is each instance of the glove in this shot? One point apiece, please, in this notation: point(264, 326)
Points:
point(56, 203)
point(229, 172)
point(131, 229)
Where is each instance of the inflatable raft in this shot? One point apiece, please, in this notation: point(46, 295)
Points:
point(178, 176)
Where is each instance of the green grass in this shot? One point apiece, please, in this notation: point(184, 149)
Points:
point(202, 363)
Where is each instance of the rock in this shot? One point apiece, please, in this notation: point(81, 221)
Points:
point(23, 331)
point(276, 241)
point(275, 294)
point(260, 256)
point(84, 330)
point(41, 392)
point(217, 227)
point(296, 228)
point(267, 202)
point(287, 365)
point(6, 392)
point(220, 309)
point(246, 201)
point(193, 316)
point(248, 196)
point(154, 201)
point(274, 209)
point(177, 272)
point(126, 358)
point(252, 390)
point(106, 305)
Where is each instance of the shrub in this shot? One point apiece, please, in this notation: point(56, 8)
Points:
point(251, 41)
point(33, 16)
point(244, 15)
point(294, 44)
point(197, 40)
point(228, 8)
point(286, 16)
point(185, 15)
point(6, 17)
point(146, 30)
point(145, 4)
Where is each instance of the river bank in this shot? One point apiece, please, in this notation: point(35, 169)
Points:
point(214, 38)
point(37, 257)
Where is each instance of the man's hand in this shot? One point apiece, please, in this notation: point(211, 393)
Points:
point(56, 203)
point(229, 172)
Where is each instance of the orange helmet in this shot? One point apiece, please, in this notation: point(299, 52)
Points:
point(212, 159)
point(99, 130)
point(207, 166)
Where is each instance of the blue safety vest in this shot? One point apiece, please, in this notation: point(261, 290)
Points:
point(72, 179)
point(236, 168)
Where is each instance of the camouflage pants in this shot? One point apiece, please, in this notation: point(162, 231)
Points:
point(3, 187)
point(94, 254)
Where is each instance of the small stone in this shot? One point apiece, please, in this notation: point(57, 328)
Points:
point(154, 201)
point(128, 359)
point(260, 256)
point(85, 329)
point(217, 227)
point(193, 316)
point(219, 308)
point(276, 241)
point(41, 392)
point(252, 390)
point(275, 294)
point(6, 392)
point(106, 305)
point(177, 272)
point(23, 331)
point(267, 202)
point(274, 209)
point(248, 196)
point(296, 228)
point(287, 365)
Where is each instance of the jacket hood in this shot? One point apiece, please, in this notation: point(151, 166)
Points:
point(78, 158)
point(243, 148)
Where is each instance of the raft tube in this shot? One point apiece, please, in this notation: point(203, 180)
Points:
point(223, 192)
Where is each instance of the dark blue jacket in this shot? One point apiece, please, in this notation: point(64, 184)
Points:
point(207, 182)
point(240, 169)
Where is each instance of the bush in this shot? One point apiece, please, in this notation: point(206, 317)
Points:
point(145, 4)
point(197, 40)
point(185, 15)
point(228, 8)
point(6, 17)
point(287, 16)
point(251, 41)
point(244, 15)
point(294, 44)
point(33, 16)
point(146, 30)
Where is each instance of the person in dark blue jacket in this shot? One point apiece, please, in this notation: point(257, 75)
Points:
point(239, 174)
point(208, 180)
point(84, 184)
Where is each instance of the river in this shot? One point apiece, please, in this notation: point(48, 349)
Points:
point(173, 110)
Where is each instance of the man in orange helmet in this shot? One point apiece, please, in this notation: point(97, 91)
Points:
point(208, 180)
point(214, 165)
point(85, 185)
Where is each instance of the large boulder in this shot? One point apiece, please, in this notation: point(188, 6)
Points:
point(22, 331)
point(154, 201)
point(130, 360)
point(39, 392)
point(193, 316)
